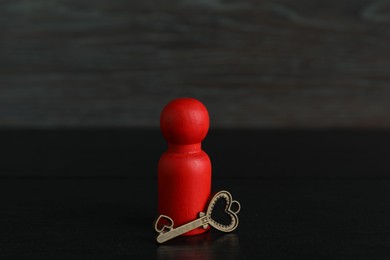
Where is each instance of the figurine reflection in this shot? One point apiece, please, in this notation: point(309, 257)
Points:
point(206, 246)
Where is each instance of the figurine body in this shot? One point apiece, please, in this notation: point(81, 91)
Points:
point(184, 170)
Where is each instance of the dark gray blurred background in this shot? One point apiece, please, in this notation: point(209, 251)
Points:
point(82, 84)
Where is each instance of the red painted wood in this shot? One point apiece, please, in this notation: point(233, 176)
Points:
point(184, 170)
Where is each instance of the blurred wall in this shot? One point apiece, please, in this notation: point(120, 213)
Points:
point(255, 64)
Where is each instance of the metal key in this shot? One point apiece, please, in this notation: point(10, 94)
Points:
point(204, 219)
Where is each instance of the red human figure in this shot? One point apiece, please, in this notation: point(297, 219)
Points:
point(184, 170)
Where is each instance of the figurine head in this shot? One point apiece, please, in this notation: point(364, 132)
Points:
point(184, 121)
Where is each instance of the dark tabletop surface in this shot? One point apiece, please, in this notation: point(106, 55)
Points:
point(106, 218)
point(92, 194)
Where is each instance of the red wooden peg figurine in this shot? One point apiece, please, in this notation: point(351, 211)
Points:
point(184, 170)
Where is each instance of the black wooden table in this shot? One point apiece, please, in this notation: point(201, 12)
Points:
point(112, 219)
point(92, 194)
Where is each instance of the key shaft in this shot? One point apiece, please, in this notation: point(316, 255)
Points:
point(199, 222)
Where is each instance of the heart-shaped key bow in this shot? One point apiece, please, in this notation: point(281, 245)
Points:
point(164, 224)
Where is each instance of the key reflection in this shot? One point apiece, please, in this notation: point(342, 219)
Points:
point(205, 246)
